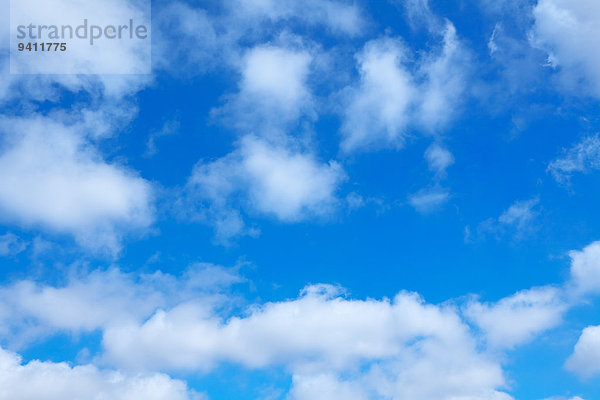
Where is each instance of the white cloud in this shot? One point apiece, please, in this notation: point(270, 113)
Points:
point(339, 16)
point(392, 100)
point(582, 157)
point(585, 360)
point(276, 73)
point(271, 173)
point(96, 300)
point(220, 36)
point(429, 200)
point(585, 269)
point(444, 83)
point(272, 179)
point(11, 244)
point(329, 344)
point(378, 109)
point(318, 336)
point(519, 220)
point(326, 342)
point(519, 318)
point(289, 185)
point(54, 179)
point(57, 381)
point(520, 214)
point(273, 90)
point(568, 30)
point(439, 159)
point(324, 387)
point(564, 398)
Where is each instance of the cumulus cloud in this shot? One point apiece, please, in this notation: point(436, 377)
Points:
point(273, 90)
point(277, 74)
point(585, 360)
point(269, 172)
point(568, 31)
point(91, 301)
point(53, 178)
point(519, 318)
point(403, 343)
point(325, 341)
point(392, 100)
point(378, 108)
point(330, 344)
point(275, 180)
point(585, 269)
point(323, 387)
point(57, 381)
point(582, 157)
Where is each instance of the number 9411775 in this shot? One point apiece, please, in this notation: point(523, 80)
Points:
point(42, 46)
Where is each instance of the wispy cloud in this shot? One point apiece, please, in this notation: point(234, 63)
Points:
point(582, 157)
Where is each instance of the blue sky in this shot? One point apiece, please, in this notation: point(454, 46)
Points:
point(308, 200)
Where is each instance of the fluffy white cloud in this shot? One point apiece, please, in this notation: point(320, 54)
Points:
point(585, 269)
point(92, 301)
point(57, 381)
point(54, 179)
point(330, 344)
point(273, 90)
point(272, 179)
point(276, 74)
point(443, 83)
point(585, 360)
point(289, 185)
point(568, 30)
point(582, 157)
point(517, 319)
point(403, 343)
point(324, 387)
point(391, 99)
point(378, 109)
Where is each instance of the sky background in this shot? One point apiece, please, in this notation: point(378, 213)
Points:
point(308, 200)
